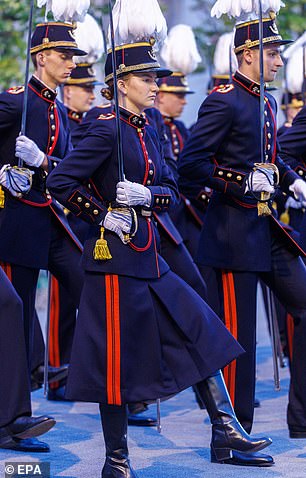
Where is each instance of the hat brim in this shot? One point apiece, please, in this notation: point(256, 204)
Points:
point(160, 72)
point(75, 51)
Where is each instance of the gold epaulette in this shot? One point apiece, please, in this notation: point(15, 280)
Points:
point(108, 116)
point(15, 90)
point(224, 88)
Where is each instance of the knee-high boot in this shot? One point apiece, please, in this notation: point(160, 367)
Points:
point(114, 425)
point(228, 435)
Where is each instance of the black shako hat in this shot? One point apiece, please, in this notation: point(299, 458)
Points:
point(55, 35)
point(175, 83)
point(134, 57)
point(247, 34)
point(83, 75)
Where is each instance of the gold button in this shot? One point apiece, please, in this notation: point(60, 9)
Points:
point(52, 138)
point(268, 124)
point(220, 173)
point(95, 211)
point(87, 204)
point(150, 161)
point(148, 182)
point(53, 127)
point(269, 147)
point(176, 151)
point(229, 175)
point(151, 172)
point(267, 157)
point(266, 113)
point(157, 200)
point(52, 117)
point(79, 199)
point(300, 172)
point(167, 201)
point(54, 164)
point(269, 135)
point(239, 178)
point(163, 201)
point(48, 196)
point(203, 196)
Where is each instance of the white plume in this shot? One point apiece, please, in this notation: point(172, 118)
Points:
point(138, 20)
point(65, 10)
point(224, 52)
point(239, 8)
point(295, 70)
point(88, 36)
point(179, 51)
point(301, 41)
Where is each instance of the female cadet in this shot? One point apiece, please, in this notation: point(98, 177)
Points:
point(129, 287)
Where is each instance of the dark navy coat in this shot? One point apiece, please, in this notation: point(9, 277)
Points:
point(96, 155)
point(135, 290)
point(293, 144)
point(25, 223)
point(221, 151)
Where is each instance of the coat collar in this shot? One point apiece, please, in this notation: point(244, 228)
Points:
point(137, 121)
point(77, 117)
point(42, 89)
point(250, 85)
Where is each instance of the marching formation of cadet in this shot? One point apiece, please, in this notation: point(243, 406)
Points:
point(133, 232)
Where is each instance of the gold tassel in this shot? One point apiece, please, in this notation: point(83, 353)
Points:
point(2, 198)
point(101, 251)
point(284, 217)
point(262, 207)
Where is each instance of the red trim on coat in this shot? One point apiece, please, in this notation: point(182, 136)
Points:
point(54, 347)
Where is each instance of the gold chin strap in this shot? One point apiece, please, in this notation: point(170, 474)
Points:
point(262, 205)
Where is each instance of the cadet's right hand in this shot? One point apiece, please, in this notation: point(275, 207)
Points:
point(119, 221)
point(16, 180)
point(262, 179)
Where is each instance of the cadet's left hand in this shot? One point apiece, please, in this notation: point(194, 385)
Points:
point(133, 194)
point(298, 187)
point(29, 152)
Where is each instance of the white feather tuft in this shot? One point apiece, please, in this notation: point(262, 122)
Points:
point(241, 8)
point(224, 52)
point(179, 51)
point(138, 20)
point(88, 36)
point(295, 67)
point(301, 41)
point(65, 10)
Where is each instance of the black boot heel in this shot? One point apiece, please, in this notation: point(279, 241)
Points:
point(221, 454)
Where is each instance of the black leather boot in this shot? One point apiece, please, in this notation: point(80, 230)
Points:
point(114, 425)
point(228, 435)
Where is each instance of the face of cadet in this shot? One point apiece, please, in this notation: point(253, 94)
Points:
point(79, 98)
point(54, 67)
point(137, 91)
point(171, 104)
point(272, 63)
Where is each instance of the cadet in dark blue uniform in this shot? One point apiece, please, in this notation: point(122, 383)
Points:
point(238, 244)
point(34, 231)
point(17, 427)
point(128, 286)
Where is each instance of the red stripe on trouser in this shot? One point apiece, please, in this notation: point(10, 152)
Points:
point(230, 319)
point(54, 348)
point(290, 334)
point(113, 339)
point(7, 269)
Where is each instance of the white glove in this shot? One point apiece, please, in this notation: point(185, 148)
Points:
point(119, 221)
point(262, 179)
point(16, 180)
point(298, 187)
point(133, 194)
point(293, 203)
point(28, 151)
